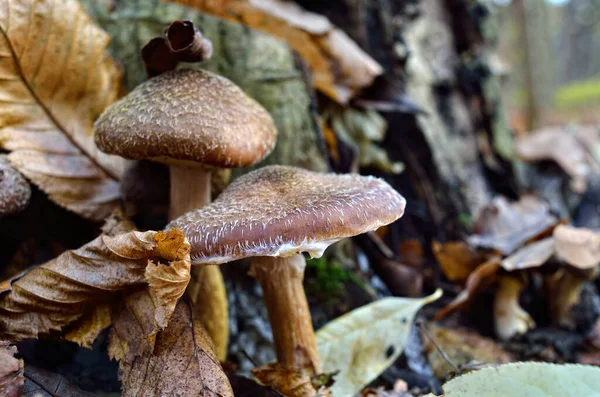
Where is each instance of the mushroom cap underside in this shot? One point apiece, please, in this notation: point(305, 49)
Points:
point(282, 210)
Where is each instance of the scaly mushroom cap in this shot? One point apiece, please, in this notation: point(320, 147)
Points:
point(14, 189)
point(281, 211)
point(187, 116)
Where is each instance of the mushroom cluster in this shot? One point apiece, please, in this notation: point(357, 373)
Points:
point(197, 122)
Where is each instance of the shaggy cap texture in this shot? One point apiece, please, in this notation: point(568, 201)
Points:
point(187, 115)
point(281, 211)
point(14, 189)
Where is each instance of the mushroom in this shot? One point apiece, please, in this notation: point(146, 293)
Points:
point(579, 248)
point(510, 318)
point(274, 214)
point(191, 120)
point(14, 189)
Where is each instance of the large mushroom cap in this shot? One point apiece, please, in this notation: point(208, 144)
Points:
point(187, 116)
point(14, 189)
point(281, 211)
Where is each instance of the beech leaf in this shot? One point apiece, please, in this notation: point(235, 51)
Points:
point(69, 287)
point(530, 379)
point(42, 383)
point(11, 371)
point(56, 79)
point(363, 343)
point(179, 360)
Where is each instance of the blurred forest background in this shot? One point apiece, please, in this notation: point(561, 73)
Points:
point(550, 53)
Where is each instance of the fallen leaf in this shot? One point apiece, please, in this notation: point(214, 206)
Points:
point(179, 360)
point(59, 292)
point(363, 343)
point(531, 255)
point(482, 276)
point(361, 130)
point(187, 42)
point(571, 148)
point(42, 383)
point(339, 67)
point(11, 371)
point(462, 347)
point(579, 247)
point(57, 78)
point(457, 259)
point(289, 381)
point(504, 226)
point(526, 379)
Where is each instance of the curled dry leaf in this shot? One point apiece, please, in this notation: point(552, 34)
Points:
point(482, 276)
point(290, 381)
point(52, 91)
point(531, 255)
point(339, 67)
point(177, 360)
point(158, 57)
point(42, 383)
point(504, 226)
point(14, 189)
point(363, 343)
point(568, 147)
point(61, 291)
point(11, 371)
point(579, 247)
point(457, 259)
point(187, 42)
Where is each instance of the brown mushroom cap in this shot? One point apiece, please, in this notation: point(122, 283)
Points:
point(14, 189)
point(281, 211)
point(187, 116)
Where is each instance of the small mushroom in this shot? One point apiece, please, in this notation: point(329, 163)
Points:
point(274, 214)
point(14, 189)
point(191, 120)
point(579, 248)
point(509, 317)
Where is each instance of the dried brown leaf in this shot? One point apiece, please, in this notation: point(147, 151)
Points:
point(244, 387)
point(187, 43)
point(59, 292)
point(531, 255)
point(158, 57)
point(568, 147)
point(339, 67)
point(504, 226)
point(179, 360)
point(289, 381)
point(56, 79)
point(11, 371)
point(578, 247)
point(482, 276)
point(457, 259)
point(42, 383)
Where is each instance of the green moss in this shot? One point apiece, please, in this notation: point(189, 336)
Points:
point(331, 278)
point(578, 93)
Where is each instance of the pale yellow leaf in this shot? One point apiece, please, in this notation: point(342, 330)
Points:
point(363, 343)
point(56, 78)
point(529, 379)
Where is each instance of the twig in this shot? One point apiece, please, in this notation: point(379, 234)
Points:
point(420, 325)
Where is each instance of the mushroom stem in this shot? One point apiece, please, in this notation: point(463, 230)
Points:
point(510, 318)
point(293, 334)
point(564, 290)
point(190, 189)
